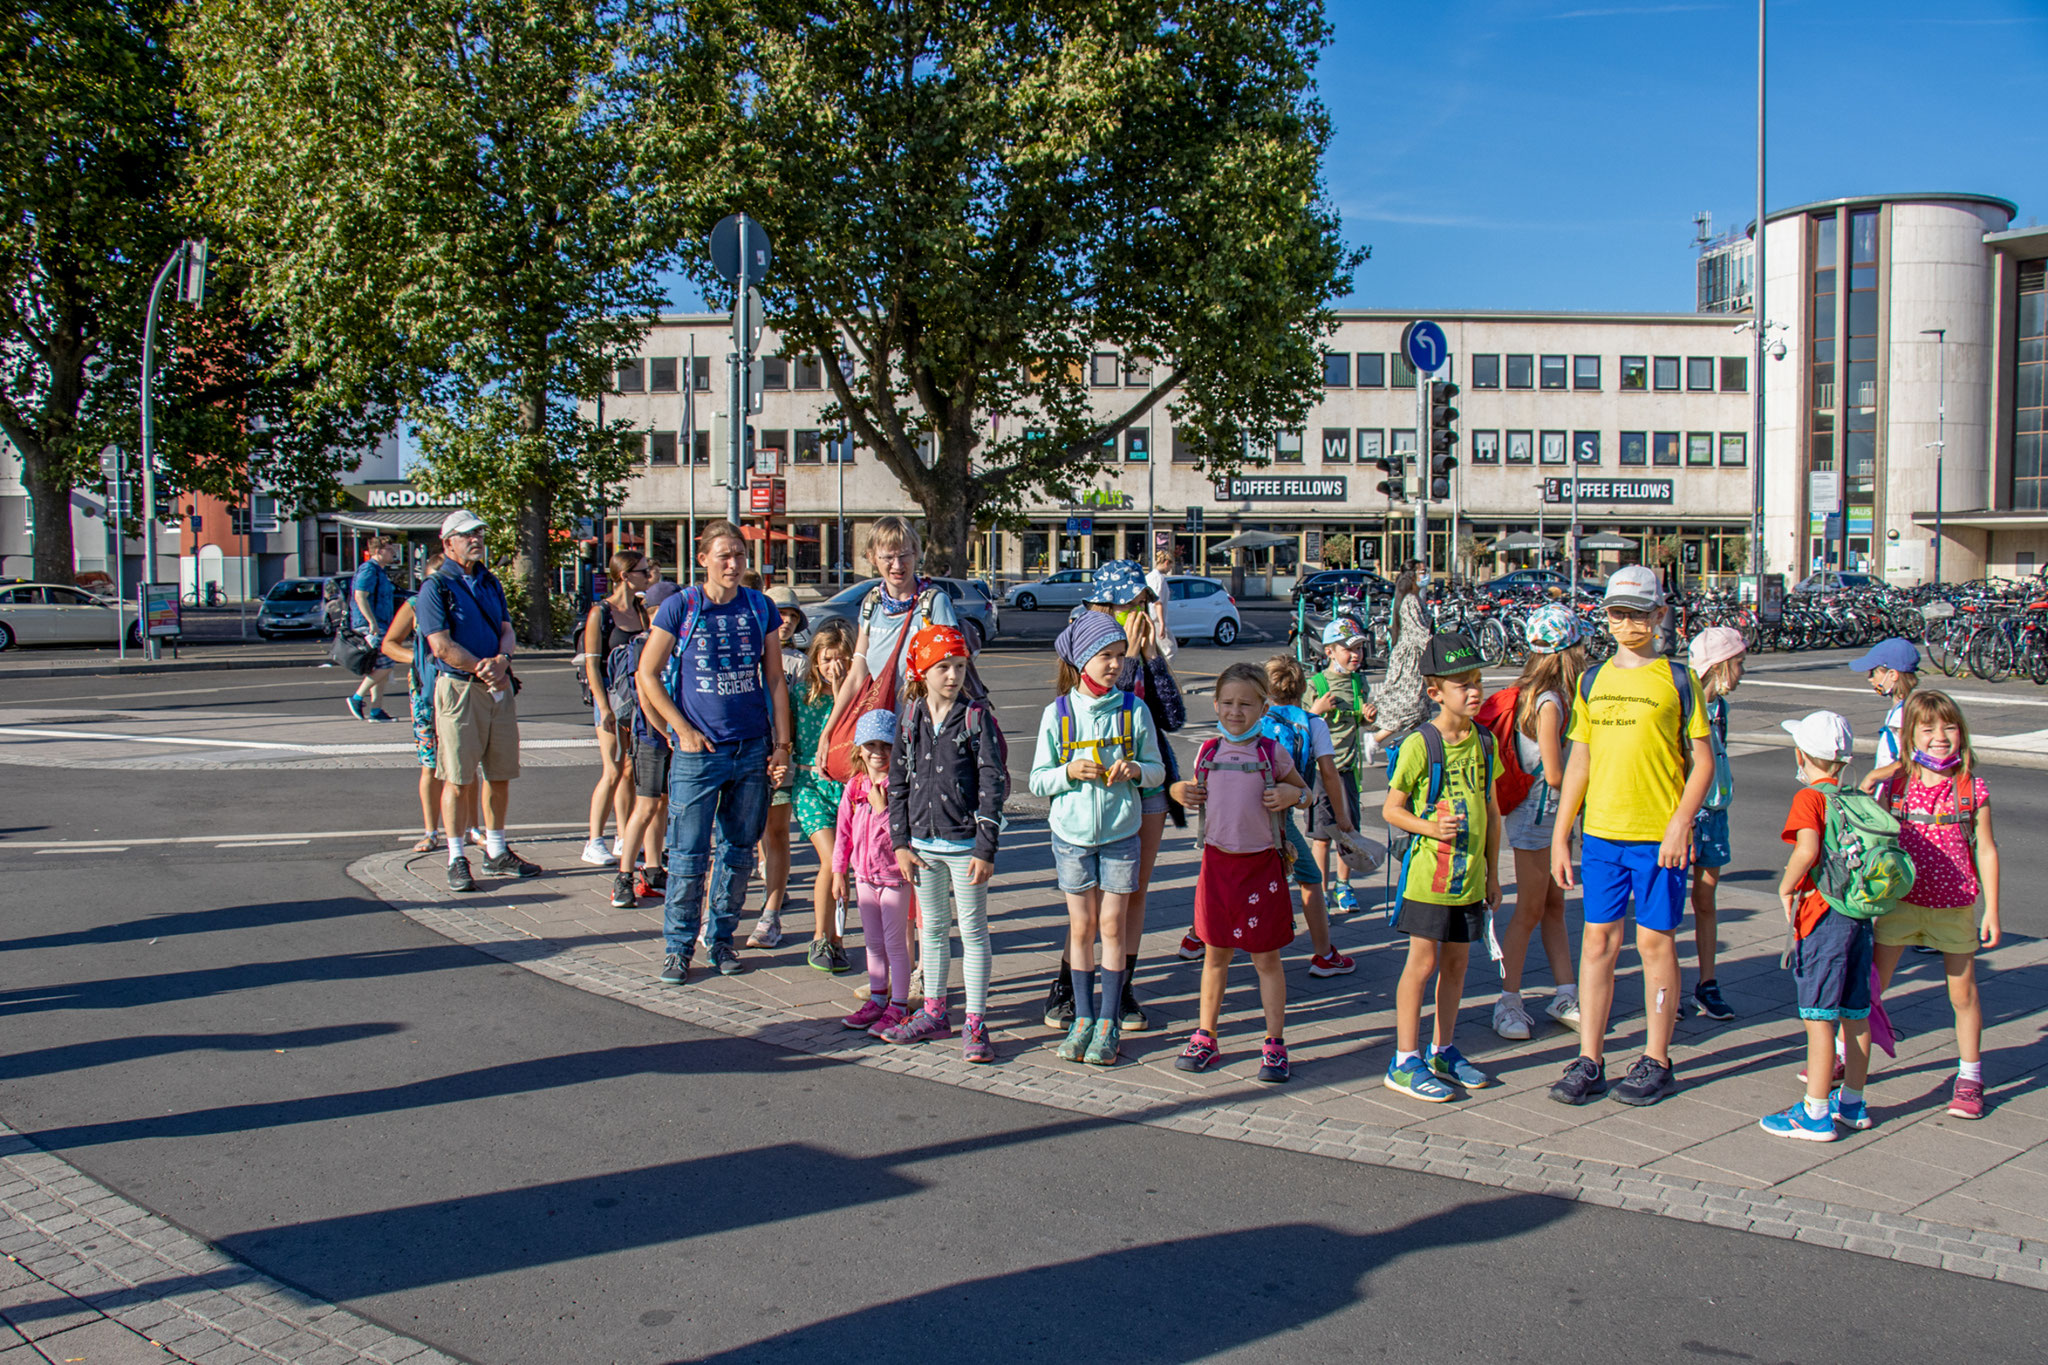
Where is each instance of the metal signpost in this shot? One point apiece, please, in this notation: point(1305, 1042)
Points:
point(1426, 349)
point(741, 254)
point(189, 261)
point(110, 465)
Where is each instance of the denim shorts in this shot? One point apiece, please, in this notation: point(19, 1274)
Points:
point(1710, 839)
point(1305, 873)
point(1112, 867)
point(1522, 826)
point(1831, 968)
point(1152, 801)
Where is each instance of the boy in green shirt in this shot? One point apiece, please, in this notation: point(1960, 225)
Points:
point(1442, 794)
point(1339, 695)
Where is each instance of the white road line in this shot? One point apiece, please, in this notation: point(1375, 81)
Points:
point(109, 846)
point(263, 843)
point(37, 732)
point(1970, 698)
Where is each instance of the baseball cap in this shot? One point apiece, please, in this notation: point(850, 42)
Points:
point(1341, 632)
point(1895, 654)
point(459, 522)
point(1714, 645)
point(658, 593)
point(1821, 735)
point(1449, 653)
point(1634, 587)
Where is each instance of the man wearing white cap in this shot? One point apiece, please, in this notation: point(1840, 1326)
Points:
point(462, 611)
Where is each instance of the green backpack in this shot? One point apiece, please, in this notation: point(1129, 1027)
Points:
point(1863, 872)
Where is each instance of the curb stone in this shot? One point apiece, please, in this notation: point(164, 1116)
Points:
point(1969, 1251)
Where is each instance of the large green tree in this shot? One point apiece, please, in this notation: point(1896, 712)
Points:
point(967, 201)
point(439, 196)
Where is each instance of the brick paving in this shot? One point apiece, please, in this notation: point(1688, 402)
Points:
point(1923, 1187)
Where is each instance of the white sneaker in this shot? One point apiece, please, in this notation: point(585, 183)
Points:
point(598, 854)
point(767, 934)
point(1565, 1009)
point(1510, 1020)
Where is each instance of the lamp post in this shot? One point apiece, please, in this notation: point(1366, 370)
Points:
point(1940, 335)
point(1756, 313)
point(192, 255)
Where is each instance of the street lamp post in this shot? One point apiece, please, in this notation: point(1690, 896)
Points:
point(1940, 335)
point(192, 254)
point(1756, 313)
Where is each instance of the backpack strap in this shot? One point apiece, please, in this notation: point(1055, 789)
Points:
point(1433, 746)
point(1964, 799)
point(1586, 680)
point(1063, 711)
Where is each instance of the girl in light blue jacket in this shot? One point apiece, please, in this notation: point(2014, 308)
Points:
point(1097, 752)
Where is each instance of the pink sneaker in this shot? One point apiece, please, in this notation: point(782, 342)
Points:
point(974, 1043)
point(919, 1026)
point(866, 1015)
point(1968, 1100)
point(888, 1019)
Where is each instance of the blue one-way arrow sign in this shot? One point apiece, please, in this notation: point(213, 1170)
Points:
point(1425, 346)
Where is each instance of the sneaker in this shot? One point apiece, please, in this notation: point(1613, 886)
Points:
point(1075, 1043)
point(920, 1026)
point(1583, 1080)
point(974, 1043)
point(651, 881)
point(596, 853)
point(355, 706)
point(510, 864)
point(1706, 998)
point(1647, 1082)
point(378, 714)
point(1449, 1064)
point(1968, 1100)
point(1200, 1051)
point(1273, 1068)
point(1191, 949)
point(1131, 1016)
point(1855, 1117)
point(1415, 1079)
point(863, 1018)
point(767, 934)
point(836, 960)
point(820, 955)
point(1511, 1021)
point(1565, 1009)
point(1342, 900)
point(889, 1018)
point(675, 969)
point(1841, 1073)
point(458, 876)
point(1104, 1048)
point(1332, 963)
point(622, 892)
point(1059, 1003)
point(726, 960)
point(1793, 1123)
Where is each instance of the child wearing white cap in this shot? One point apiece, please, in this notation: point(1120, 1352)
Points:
point(1716, 655)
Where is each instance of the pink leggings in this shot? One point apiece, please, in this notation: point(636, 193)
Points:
point(885, 928)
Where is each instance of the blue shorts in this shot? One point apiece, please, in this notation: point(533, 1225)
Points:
point(1710, 839)
point(1831, 968)
point(1615, 871)
point(1305, 873)
point(1084, 867)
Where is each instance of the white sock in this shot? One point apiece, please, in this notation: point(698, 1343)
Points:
point(1513, 997)
point(1850, 1097)
point(1568, 991)
point(1971, 1071)
point(1403, 1058)
point(1434, 1049)
point(454, 852)
point(1816, 1109)
point(494, 843)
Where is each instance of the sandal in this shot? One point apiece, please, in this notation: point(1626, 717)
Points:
point(426, 843)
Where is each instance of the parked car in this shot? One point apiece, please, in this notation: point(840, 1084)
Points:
point(1317, 587)
point(1521, 580)
point(1200, 607)
point(1063, 589)
point(980, 618)
point(58, 614)
point(1833, 580)
point(296, 606)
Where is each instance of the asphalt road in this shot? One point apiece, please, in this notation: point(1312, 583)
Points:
point(519, 1172)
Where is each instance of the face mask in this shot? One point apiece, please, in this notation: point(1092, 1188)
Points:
point(1940, 765)
point(1225, 731)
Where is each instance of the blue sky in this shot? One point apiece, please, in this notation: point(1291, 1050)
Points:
point(1551, 154)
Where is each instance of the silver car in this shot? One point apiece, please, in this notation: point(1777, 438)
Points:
point(295, 606)
point(1063, 589)
point(980, 618)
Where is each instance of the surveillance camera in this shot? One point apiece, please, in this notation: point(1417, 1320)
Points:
point(1777, 350)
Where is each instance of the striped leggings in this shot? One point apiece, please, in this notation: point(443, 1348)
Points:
point(944, 874)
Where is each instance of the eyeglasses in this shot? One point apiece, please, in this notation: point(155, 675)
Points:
point(1629, 614)
point(641, 573)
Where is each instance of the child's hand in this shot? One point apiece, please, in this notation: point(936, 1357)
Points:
point(1676, 848)
point(909, 864)
point(1193, 795)
point(1449, 824)
point(838, 886)
point(1123, 770)
point(1561, 866)
point(979, 870)
point(1084, 770)
point(1790, 900)
point(1278, 797)
point(1323, 705)
point(1989, 934)
point(1493, 890)
point(1368, 713)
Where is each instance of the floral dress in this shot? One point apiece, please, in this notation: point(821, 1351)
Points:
point(816, 797)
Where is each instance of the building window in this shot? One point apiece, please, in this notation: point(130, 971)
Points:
point(1287, 447)
point(1102, 370)
point(1521, 447)
point(661, 375)
point(1336, 371)
point(1635, 447)
point(661, 448)
point(2030, 391)
point(1404, 441)
point(264, 507)
point(1371, 445)
point(1183, 452)
point(1734, 448)
point(1521, 371)
point(1553, 372)
point(238, 525)
point(1551, 449)
point(700, 448)
point(839, 449)
point(1372, 370)
point(809, 449)
point(810, 374)
point(1485, 447)
point(632, 376)
point(1735, 374)
point(1404, 374)
point(1664, 448)
point(1485, 371)
point(774, 372)
point(1586, 447)
point(701, 367)
point(1665, 373)
point(1586, 372)
point(1137, 372)
point(772, 450)
point(1699, 374)
point(1137, 445)
point(1699, 448)
point(1635, 373)
point(1336, 445)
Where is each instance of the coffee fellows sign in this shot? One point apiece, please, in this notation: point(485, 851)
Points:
point(1643, 492)
point(1281, 488)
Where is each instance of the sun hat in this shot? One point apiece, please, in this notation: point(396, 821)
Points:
point(1634, 588)
point(934, 644)
point(1821, 735)
point(1895, 654)
point(876, 726)
point(1551, 629)
point(1448, 654)
point(784, 598)
point(460, 522)
point(1118, 582)
point(1715, 645)
point(1087, 636)
point(1342, 632)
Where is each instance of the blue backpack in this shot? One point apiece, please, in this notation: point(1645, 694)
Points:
point(1288, 726)
point(1433, 749)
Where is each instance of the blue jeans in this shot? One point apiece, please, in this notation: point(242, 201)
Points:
point(724, 794)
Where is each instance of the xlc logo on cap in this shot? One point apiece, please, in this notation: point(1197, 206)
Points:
point(1449, 654)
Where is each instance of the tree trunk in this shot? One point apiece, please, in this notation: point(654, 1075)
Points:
point(530, 562)
point(49, 497)
point(949, 519)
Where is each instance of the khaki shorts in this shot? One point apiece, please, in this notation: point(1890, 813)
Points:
point(474, 731)
point(1916, 926)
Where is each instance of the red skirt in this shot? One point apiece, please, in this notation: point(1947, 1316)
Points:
point(1243, 900)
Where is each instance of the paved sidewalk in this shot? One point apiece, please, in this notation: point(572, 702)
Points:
point(1921, 1187)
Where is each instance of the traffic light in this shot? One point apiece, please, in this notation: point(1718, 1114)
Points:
point(1443, 437)
point(1395, 485)
point(1440, 467)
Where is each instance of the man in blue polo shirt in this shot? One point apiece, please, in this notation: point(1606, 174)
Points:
point(371, 602)
point(462, 612)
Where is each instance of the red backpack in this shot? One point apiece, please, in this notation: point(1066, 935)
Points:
point(1497, 713)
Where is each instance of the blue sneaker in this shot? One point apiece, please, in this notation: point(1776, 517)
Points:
point(1449, 1064)
point(1340, 898)
point(1414, 1078)
point(1796, 1123)
point(1855, 1117)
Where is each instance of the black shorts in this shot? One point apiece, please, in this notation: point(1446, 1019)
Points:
point(650, 768)
point(1322, 816)
point(1442, 923)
